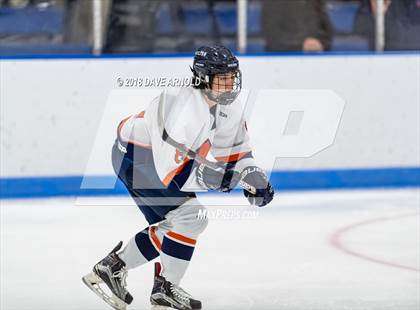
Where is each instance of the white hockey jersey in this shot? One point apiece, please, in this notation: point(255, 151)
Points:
point(216, 133)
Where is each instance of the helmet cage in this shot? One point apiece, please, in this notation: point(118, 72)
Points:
point(227, 88)
point(225, 96)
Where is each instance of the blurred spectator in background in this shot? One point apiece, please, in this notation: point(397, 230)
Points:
point(147, 26)
point(296, 25)
point(402, 23)
point(133, 24)
point(131, 27)
point(25, 3)
point(14, 3)
point(78, 21)
point(31, 26)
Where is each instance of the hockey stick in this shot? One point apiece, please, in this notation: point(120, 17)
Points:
point(200, 159)
point(190, 153)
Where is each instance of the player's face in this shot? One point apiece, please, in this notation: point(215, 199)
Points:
point(226, 87)
point(223, 82)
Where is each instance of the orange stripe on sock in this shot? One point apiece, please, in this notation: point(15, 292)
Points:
point(181, 238)
point(154, 237)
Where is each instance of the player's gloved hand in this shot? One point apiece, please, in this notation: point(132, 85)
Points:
point(223, 180)
point(256, 177)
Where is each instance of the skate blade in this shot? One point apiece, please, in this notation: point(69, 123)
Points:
point(92, 281)
point(157, 307)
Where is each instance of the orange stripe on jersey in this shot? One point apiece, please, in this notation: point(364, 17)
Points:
point(141, 114)
point(146, 146)
point(232, 157)
point(120, 126)
point(154, 237)
point(204, 149)
point(181, 238)
point(174, 172)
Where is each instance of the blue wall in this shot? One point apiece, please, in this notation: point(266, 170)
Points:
point(282, 181)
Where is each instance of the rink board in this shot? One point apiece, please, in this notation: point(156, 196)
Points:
point(52, 109)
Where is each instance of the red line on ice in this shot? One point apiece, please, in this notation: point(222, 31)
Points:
point(335, 241)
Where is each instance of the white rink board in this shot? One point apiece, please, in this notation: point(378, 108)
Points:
point(281, 259)
point(51, 109)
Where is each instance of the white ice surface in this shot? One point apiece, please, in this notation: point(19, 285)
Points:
point(278, 258)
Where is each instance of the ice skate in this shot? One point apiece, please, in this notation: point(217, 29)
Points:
point(111, 271)
point(166, 295)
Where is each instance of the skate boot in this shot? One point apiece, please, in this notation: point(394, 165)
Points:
point(168, 295)
point(111, 271)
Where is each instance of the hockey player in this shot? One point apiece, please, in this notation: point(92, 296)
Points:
point(160, 156)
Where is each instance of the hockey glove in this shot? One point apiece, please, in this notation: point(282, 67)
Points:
point(256, 177)
point(221, 180)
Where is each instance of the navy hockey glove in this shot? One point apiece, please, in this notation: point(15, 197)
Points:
point(221, 180)
point(256, 177)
